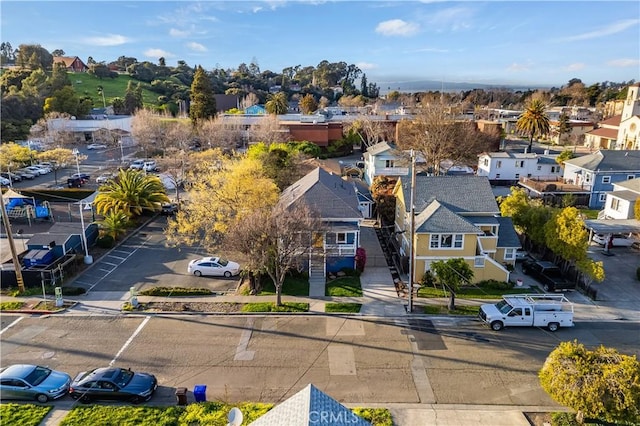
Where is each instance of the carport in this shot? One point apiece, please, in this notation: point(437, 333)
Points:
point(612, 226)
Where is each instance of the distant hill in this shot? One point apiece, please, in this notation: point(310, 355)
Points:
point(446, 86)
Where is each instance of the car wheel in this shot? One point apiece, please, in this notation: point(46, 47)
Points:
point(42, 398)
point(136, 400)
point(227, 274)
point(197, 273)
point(497, 326)
point(85, 399)
point(553, 326)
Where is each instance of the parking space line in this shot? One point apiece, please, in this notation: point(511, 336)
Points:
point(17, 320)
point(128, 342)
point(116, 257)
point(109, 263)
point(108, 270)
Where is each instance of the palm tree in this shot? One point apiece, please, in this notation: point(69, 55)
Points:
point(533, 121)
point(114, 224)
point(277, 104)
point(131, 192)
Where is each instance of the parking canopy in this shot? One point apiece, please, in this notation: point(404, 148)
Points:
point(613, 226)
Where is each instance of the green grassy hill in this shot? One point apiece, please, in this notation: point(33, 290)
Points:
point(87, 84)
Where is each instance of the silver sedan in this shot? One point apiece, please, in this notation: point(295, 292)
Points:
point(27, 381)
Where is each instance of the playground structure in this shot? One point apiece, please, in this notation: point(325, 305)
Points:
point(20, 206)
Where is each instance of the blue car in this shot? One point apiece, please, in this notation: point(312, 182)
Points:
point(26, 381)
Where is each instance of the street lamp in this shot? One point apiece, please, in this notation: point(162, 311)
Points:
point(83, 237)
point(76, 153)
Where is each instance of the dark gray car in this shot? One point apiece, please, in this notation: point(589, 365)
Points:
point(113, 384)
point(26, 381)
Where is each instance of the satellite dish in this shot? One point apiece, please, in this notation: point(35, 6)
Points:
point(235, 417)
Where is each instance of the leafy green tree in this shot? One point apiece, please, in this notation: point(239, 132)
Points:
point(34, 56)
point(566, 235)
point(451, 274)
point(564, 156)
point(59, 78)
point(114, 223)
point(133, 98)
point(591, 271)
point(515, 205)
point(600, 384)
point(66, 101)
point(533, 121)
point(636, 209)
point(131, 192)
point(277, 104)
point(203, 103)
point(308, 104)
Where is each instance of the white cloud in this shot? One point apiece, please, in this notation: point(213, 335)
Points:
point(174, 32)
point(397, 27)
point(624, 63)
point(614, 28)
point(108, 40)
point(453, 18)
point(196, 47)
point(366, 66)
point(575, 67)
point(158, 53)
point(515, 67)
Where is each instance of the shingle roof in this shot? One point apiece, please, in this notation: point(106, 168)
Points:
point(626, 195)
point(436, 219)
point(327, 194)
point(378, 148)
point(612, 121)
point(459, 193)
point(306, 407)
point(507, 236)
point(609, 160)
point(604, 133)
point(631, 184)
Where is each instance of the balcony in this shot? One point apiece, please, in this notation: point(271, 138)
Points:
point(553, 184)
point(392, 171)
point(340, 250)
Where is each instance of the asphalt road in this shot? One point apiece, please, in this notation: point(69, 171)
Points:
point(269, 358)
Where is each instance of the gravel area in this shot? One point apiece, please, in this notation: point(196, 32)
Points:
point(190, 307)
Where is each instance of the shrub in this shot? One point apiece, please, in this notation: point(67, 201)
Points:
point(271, 307)
point(10, 306)
point(375, 416)
point(495, 285)
point(105, 241)
point(48, 289)
point(564, 419)
point(175, 291)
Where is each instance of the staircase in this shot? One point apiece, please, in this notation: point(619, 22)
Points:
point(317, 277)
point(389, 251)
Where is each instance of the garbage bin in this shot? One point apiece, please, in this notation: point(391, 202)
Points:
point(181, 396)
point(200, 393)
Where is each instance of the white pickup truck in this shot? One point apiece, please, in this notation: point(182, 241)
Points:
point(533, 310)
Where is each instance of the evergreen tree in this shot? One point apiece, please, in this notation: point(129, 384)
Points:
point(203, 103)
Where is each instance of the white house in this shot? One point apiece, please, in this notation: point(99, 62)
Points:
point(620, 202)
point(508, 167)
point(382, 159)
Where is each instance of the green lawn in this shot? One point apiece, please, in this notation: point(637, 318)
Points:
point(271, 307)
point(352, 308)
point(23, 414)
point(87, 84)
point(348, 286)
point(294, 285)
point(10, 306)
point(473, 292)
point(441, 309)
point(206, 413)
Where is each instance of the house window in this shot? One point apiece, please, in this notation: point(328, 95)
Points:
point(602, 197)
point(486, 162)
point(553, 169)
point(498, 164)
point(606, 179)
point(587, 177)
point(445, 241)
point(388, 163)
point(517, 175)
point(509, 254)
point(629, 177)
point(497, 175)
point(519, 163)
point(539, 168)
point(341, 237)
point(615, 204)
point(478, 262)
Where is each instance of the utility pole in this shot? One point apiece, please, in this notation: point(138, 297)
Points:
point(12, 246)
point(412, 232)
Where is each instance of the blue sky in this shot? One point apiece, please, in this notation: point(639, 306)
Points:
point(496, 42)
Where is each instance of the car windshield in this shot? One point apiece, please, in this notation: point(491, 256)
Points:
point(223, 262)
point(37, 376)
point(123, 377)
point(504, 307)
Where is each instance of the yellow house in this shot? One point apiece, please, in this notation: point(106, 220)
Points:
point(455, 217)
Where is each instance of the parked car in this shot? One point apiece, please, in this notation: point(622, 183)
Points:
point(37, 170)
point(113, 384)
point(137, 164)
point(28, 381)
point(25, 174)
point(521, 254)
point(618, 240)
point(548, 274)
point(104, 178)
point(12, 176)
point(96, 146)
point(84, 176)
point(4, 181)
point(150, 166)
point(213, 266)
point(169, 209)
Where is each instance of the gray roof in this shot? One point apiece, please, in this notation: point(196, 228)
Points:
point(482, 220)
point(378, 148)
point(631, 184)
point(507, 236)
point(612, 226)
point(626, 195)
point(609, 160)
point(459, 193)
point(328, 195)
point(436, 218)
point(303, 409)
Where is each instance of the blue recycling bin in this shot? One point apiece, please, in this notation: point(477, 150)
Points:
point(200, 393)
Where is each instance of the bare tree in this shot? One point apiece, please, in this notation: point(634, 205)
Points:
point(249, 100)
point(370, 130)
point(226, 133)
point(54, 129)
point(269, 131)
point(149, 130)
point(277, 241)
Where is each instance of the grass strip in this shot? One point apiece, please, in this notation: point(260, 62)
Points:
point(348, 286)
point(23, 414)
point(352, 308)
